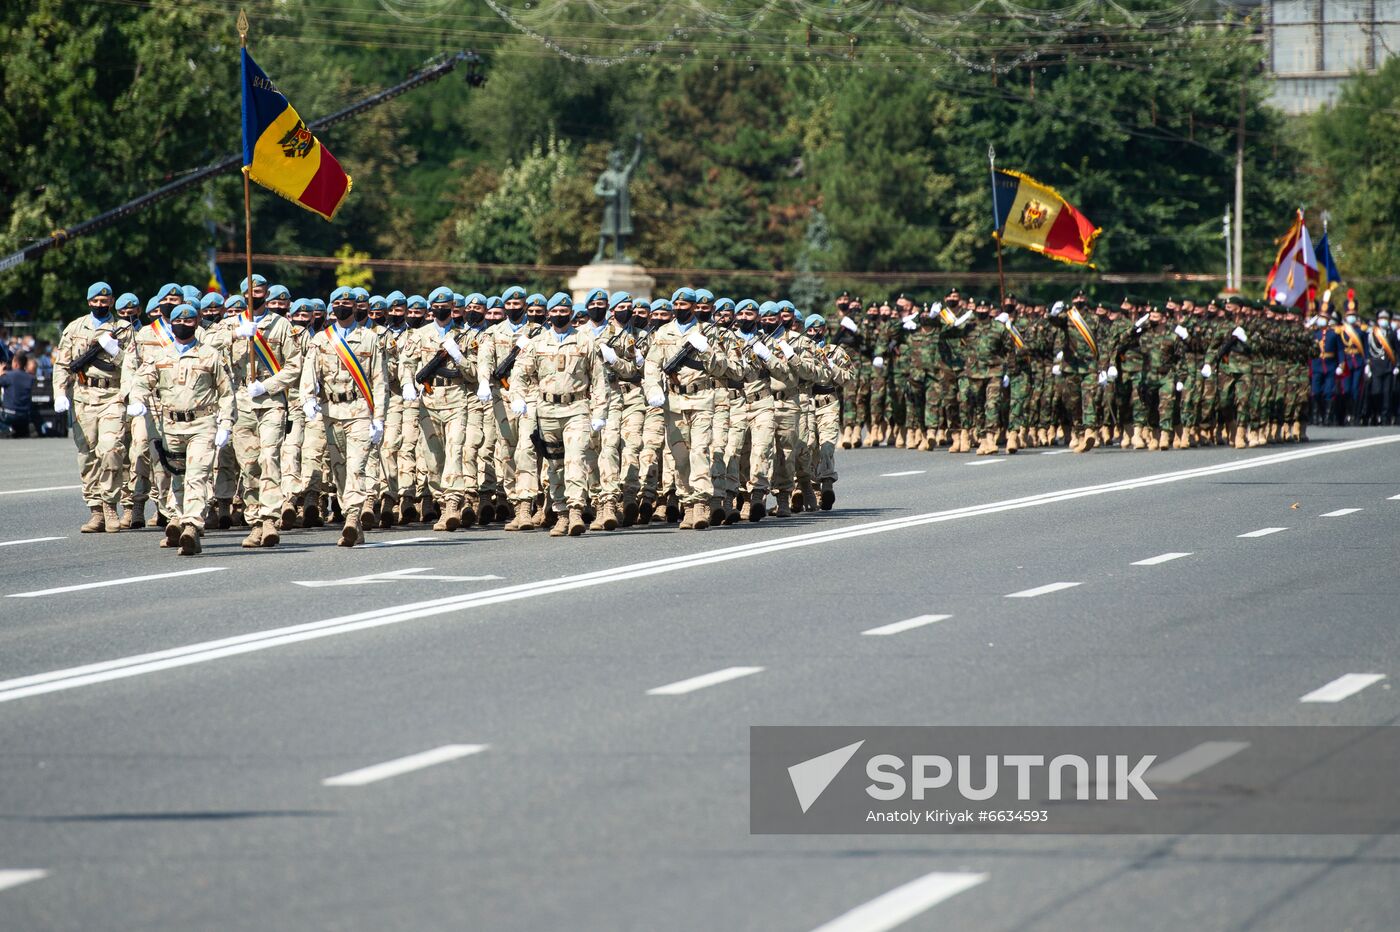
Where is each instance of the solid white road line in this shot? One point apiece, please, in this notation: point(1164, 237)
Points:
point(407, 574)
point(1394, 498)
point(393, 768)
point(28, 540)
point(1343, 686)
point(1339, 512)
point(700, 682)
point(1160, 558)
point(906, 625)
point(124, 581)
point(13, 878)
point(907, 472)
point(47, 488)
point(902, 903)
point(141, 664)
point(395, 543)
point(1043, 590)
point(1263, 532)
point(1052, 452)
point(989, 462)
point(1189, 763)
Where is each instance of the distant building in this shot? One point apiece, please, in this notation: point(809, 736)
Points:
point(1315, 45)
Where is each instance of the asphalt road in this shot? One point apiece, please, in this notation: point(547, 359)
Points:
point(165, 743)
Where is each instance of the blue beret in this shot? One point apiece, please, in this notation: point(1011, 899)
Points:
point(458, 300)
point(683, 294)
point(127, 299)
point(514, 291)
point(257, 280)
point(580, 309)
point(786, 305)
point(377, 303)
point(562, 294)
point(236, 300)
point(476, 297)
point(798, 315)
point(97, 289)
point(166, 291)
point(538, 300)
point(417, 300)
point(317, 305)
point(704, 296)
point(278, 292)
point(151, 303)
point(744, 304)
point(395, 297)
point(300, 304)
point(341, 292)
point(618, 297)
point(191, 294)
point(494, 301)
point(361, 294)
point(661, 304)
point(594, 295)
point(724, 304)
point(439, 294)
point(641, 304)
point(560, 299)
point(767, 308)
point(212, 299)
point(183, 311)
point(813, 320)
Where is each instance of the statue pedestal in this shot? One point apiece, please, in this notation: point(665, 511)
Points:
point(612, 276)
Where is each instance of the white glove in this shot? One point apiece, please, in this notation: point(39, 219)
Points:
point(1059, 357)
point(656, 401)
point(522, 342)
point(878, 362)
point(256, 389)
point(849, 324)
point(245, 328)
point(1103, 377)
point(598, 424)
point(1003, 318)
point(936, 307)
point(1239, 334)
point(1112, 373)
point(517, 407)
point(1005, 381)
point(1181, 332)
point(60, 404)
point(761, 350)
point(1055, 369)
point(1206, 370)
point(483, 393)
point(641, 360)
point(108, 343)
point(376, 431)
point(220, 438)
point(1179, 386)
point(908, 322)
point(963, 319)
point(697, 339)
point(1368, 370)
point(1057, 309)
point(135, 409)
point(788, 351)
point(410, 392)
point(1396, 372)
point(452, 349)
point(1339, 371)
point(310, 408)
point(608, 354)
point(1141, 321)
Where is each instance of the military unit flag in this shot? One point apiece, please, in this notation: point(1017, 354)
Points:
point(1293, 279)
point(1034, 216)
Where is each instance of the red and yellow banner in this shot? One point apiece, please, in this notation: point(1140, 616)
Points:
point(353, 366)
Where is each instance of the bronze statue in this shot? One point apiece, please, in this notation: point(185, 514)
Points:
point(617, 212)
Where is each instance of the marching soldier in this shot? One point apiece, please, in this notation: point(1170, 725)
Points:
point(837, 370)
point(432, 362)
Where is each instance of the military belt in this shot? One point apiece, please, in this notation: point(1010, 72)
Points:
point(184, 417)
point(445, 380)
point(564, 399)
point(827, 389)
point(701, 385)
point(100, 383)
point(784, 396)
point(343, 398)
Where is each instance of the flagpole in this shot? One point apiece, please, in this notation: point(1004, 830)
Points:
point(247, 214)
point(996, 215)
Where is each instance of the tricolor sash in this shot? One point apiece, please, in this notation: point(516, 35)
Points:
point(1015, 336)
point(1083, 328)
point(352, 365)
point(947, 316)
point(163, 332)
point(263, 350)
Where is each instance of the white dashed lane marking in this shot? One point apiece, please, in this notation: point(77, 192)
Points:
point(124, 581)
point(1160, 558)
point(402, 765)
point(984, 462)
point(1343, 686)
point(47, 488)
point(906, 625)
point(28, 540)
point(1189, 763)
point(902, 903)
point(700, 682)
point(1043, 590)
point(1339, 513)
point(1264, 532)
point(13, 878)
point(907, 472)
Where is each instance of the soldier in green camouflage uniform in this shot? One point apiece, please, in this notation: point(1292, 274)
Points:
point(1074, 351)
point(1230, 357)
point(986, 347)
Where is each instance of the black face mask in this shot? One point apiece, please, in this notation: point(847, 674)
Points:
point(596, 314)
point(774, 327)
point(536, 317)
point(703, 316)
point(515, 315)
point(184, 330)
point(560, 322)
point(209, 320)
point(396, 321)
point(746, 325)
point(258, 305)
point(654, 322)
point(685, 316)
point(474, 318)
point(343, 315)
point(362, 316)
point(623, 317)
point(442, 314)
point(413, 320)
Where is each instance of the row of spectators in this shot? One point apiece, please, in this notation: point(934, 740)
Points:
point(26, 372)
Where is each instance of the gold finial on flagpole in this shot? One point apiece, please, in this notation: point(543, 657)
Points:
point(242, 28)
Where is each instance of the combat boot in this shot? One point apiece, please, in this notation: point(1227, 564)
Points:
point(783, 510)
point(645, 510)
point(172, 535)
point(731, 514)
point(1013, 442)
point(1239, 441)
point(1138, 442)
point(828, 494)
point(1164, 440)
point(577, 526)
point(128, 517)
point(544, 514)
point(845, 438)
point(898, 438)
point(467, 511)
point(989, 443)
point(1300, 431)
point(223, 520)
point(561, 526)
point(486, 512)
point(189, 541)
point(270, 537)
point(688, 518)
point(237, 517)
point(1256, 438)
point(714, 516)
point(254, 538)
point(608, 516)
point(809, 496)
point(796, 501)
point(160, 519)
point(290, 518)
point(525, 517)
point(408, 514)
point(756, 507)
point(702, 516)
point(369, 519)
point(1151, 436)
point(96, 523)
point(110, 518)
point(450, 519)
point(856, 439)
point(311, 512)
point(1089, 442)
point(629, 512)
point(428, 508)
point(350, 534)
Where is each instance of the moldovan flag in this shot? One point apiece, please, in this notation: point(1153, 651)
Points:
point(280, 153)
point(1034, 216)
point(1295, 268)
